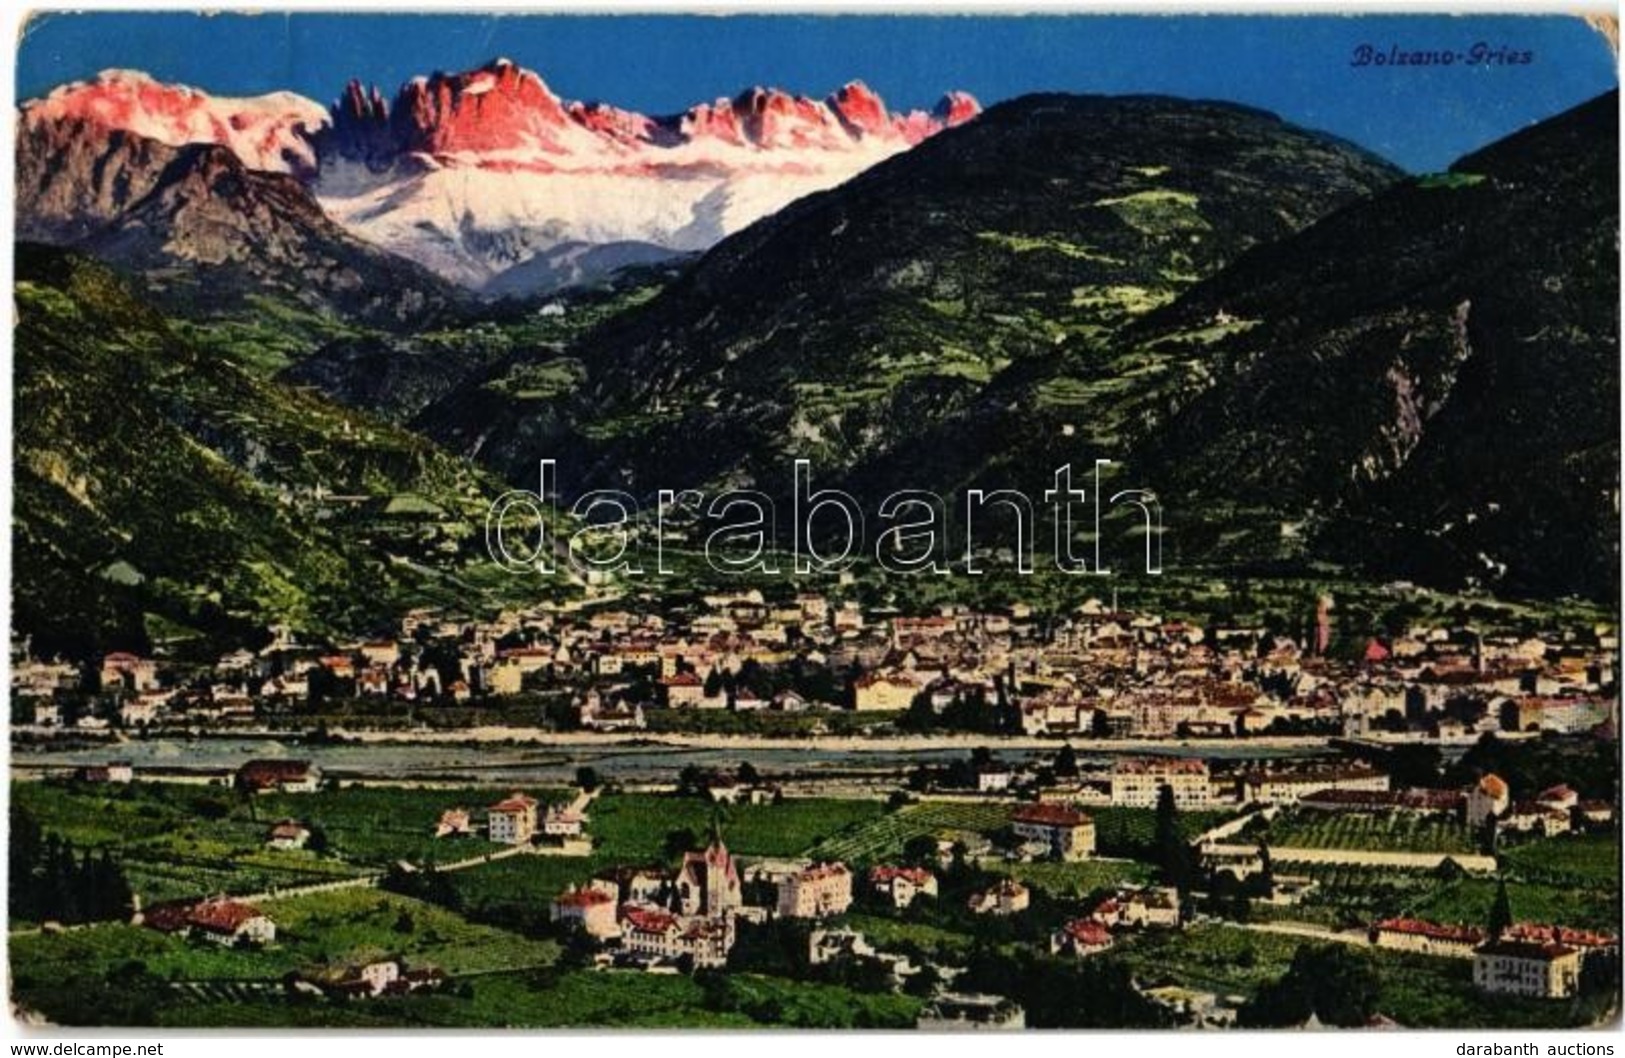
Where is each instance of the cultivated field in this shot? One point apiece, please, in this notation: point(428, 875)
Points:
point(487, 927)
point(187, 841)
point(1399, 832)
point(882, 838)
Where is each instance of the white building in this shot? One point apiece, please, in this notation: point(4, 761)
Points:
point(1138, 782)
point(815, 892)
point(512, 821)
point(1527, 968)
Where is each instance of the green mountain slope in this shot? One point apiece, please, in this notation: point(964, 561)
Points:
point(855, 320)
point(399, 375)
point(249, 251)
point(1431, 388)
point(162, 490)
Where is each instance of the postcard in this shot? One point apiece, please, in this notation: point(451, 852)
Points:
point(819, 521)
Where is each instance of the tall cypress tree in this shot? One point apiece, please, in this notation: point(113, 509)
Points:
point(1173, 854)
point(50, 880)
point(27, 850)
point(1500, 912)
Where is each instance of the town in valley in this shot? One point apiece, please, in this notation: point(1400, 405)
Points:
point(1119, 532)
point(799, 808)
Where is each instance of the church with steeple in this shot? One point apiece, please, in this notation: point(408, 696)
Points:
point(708, 883)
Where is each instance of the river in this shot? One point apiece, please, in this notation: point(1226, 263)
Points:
point(554, 761)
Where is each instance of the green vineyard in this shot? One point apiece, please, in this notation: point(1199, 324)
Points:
point(884, 838)
point(1400, 832)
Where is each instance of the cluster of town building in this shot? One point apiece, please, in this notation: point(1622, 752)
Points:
point(1526, 959)
point(1095, 672)
point(656, 917)
point(239, 923)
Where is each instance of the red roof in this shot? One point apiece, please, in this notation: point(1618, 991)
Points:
point(1171, 765)
point(1049, 815)
point(1574, 938)
point(883, 875)
point(875, 679)
point(819, 871)
point(583, 898)
point(1535, 809)
point(166, 918)
point(647, 921)
point(223, 916)
point(515, 802)
point(273, 772)
point(526, 652)
point(1088, 931)
point(683, 679)
point(1432, 930)
point(1416, 797)
point(701, 929)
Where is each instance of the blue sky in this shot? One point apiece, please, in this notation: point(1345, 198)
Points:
point(1299, 67)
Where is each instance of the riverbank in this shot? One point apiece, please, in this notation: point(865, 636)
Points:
point(544, 738)
point(500, 756)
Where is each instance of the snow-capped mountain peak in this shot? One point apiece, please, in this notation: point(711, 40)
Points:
point(266, 132)
point(476, 172)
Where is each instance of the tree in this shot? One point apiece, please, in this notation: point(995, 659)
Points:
point(1414, 764)
point(748, 774)
point(924, 983)
point(579, 947)
point(862, 974)
point(920, 850)
point(1261, 883)
point(779, 948)
point(587, 778)
point(50, 881)
point(1093, 993)
point(920, 716)
point(27, 846)
point(678, 841)
point(1599, 973)
point(1500, 912)
point(1334, 983)
point(691, 781)
point(430, 886)
point(1066, 763)
point(1173, 854)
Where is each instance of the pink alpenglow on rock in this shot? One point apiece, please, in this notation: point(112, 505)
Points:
point(479, 173)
